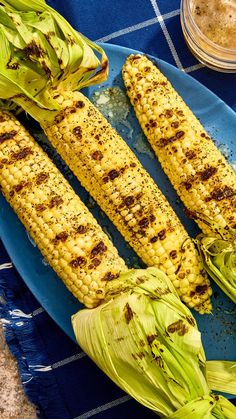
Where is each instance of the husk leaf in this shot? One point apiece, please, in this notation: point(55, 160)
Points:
point(41, 54)
point(146, 340)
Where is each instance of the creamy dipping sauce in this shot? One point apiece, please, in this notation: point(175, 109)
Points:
point(217, 20)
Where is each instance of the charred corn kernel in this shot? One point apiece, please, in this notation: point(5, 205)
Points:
point(114, 177)
point(80, 252)
point(200, 174)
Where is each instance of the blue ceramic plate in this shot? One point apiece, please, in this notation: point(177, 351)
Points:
point(218, 330)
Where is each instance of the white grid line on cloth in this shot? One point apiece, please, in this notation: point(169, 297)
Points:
point(37, 311)
point(138, 26)
point(166, 34)
point(194, 67)
point(103, 407)
point(65, 361)
point(68, 360)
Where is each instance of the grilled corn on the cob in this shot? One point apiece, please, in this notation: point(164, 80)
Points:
point(200, 174)
point(43, 82)
point(114, 177)
point(60, 224)
point(204, 180)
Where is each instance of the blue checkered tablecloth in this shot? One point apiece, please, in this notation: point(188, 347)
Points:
point(57, 376)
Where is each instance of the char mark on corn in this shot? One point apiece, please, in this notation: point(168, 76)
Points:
point(112, 174)
point(204, 180)
point(60, 224)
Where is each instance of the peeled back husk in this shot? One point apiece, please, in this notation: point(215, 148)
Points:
point(219, 259)
point(41, 55)
point(146, 340)
point(218, 253)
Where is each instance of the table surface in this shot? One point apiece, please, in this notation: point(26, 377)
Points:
point(13, 402)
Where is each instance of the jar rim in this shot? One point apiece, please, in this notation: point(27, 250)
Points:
point(195, 27)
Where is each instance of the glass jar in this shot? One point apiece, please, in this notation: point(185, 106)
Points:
point(209, 28)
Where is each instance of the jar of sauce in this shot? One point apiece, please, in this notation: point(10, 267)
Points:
point(209, 28)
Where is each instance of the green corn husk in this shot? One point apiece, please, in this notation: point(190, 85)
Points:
point(219, 260)
point(41, 55)
point(146, 340)
point(218, 254)
point(221, 376)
